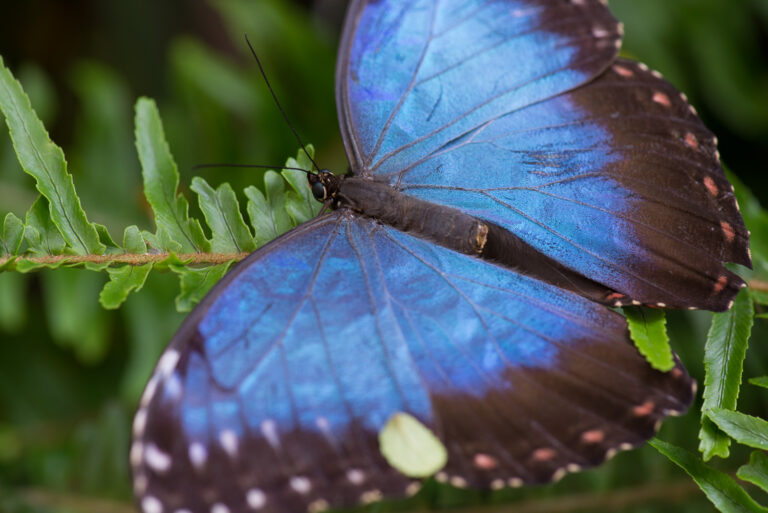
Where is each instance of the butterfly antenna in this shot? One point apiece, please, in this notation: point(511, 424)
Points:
point(274, 96)
point(205, 166)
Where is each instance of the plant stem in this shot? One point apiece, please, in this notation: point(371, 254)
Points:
point(130, 258)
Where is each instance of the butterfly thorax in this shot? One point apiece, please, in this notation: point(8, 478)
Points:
point(443, 225)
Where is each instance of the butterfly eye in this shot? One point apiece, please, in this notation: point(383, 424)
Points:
point(318, 191)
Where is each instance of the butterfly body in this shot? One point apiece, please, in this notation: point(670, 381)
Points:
point(510, 177)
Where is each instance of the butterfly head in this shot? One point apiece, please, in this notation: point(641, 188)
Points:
point(324, 185)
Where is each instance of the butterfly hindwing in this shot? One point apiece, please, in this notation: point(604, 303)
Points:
point(272, 394)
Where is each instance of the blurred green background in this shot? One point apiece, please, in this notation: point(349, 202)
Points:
point(71, 373)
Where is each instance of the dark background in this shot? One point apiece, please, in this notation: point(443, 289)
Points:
point(70, 373)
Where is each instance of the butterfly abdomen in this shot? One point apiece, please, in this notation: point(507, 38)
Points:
point(466, 234)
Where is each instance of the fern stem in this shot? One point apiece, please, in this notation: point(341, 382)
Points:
point(129, 258)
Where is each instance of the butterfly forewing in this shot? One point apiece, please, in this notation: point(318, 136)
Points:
point(412, 76)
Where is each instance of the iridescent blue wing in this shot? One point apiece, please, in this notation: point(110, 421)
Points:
point(272, 394)
point(413, 76)
point(617, 179)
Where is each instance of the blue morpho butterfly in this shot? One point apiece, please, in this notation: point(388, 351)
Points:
point(509, 178)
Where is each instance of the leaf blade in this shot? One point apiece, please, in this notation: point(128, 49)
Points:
point(229, 233)
point(648, 329)
point(161, 183)
point(122, 281)
point(720, 489)
point(12, 235)
point(45, 162)
point(745, 429)
point(724, 355)
point(756, 471)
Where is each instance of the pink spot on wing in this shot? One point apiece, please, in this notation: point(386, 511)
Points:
point(593, 436)
point(614, 296)
point(662, 99)
point(485, 461)
point(544, 454)
point(676, 373)
point(624, 72)
point(711, 186)
point(727, 231)
point(722, 281)
point(644, 409)
point(691, 141)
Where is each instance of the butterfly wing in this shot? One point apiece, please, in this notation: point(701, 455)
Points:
point(413, 76)
point(272, 394)
point(618, 179)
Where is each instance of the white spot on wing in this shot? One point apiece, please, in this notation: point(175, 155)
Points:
point(318, 506)
point(219, 508)
point(355, 476)
point(167, 363)
point(156, 459)
point(228, 440)
point(198, 454)
point(301, 484)
point(371, 496)
point(137, 452)
point(173, 387)
point(412, 488)
point(255, 498)
point(151, 504)
point(149, 391)
point(269, 430)
point(139, 422)
point(140, 484)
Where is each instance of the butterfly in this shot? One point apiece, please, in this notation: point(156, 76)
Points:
point(511, 180)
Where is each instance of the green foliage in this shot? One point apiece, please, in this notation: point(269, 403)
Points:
point(756, 471)
point(724, 362)
point(43, 160)
point(177, 232)
point(745, 429)
point(648, 328)
point(721, 489)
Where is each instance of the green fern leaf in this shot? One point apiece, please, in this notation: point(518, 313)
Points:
point(648, 329)
point(745, 429)
point(133, 242)
point(756, 471)
point(44, 161)
point(195, 283)
point(724, 362)
point(720, 488)
point(266, 211)
point(221, 209)
point(122, 281)
point(762, 381)
point(42, 235)
point(161, 183)
point(12, 235)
